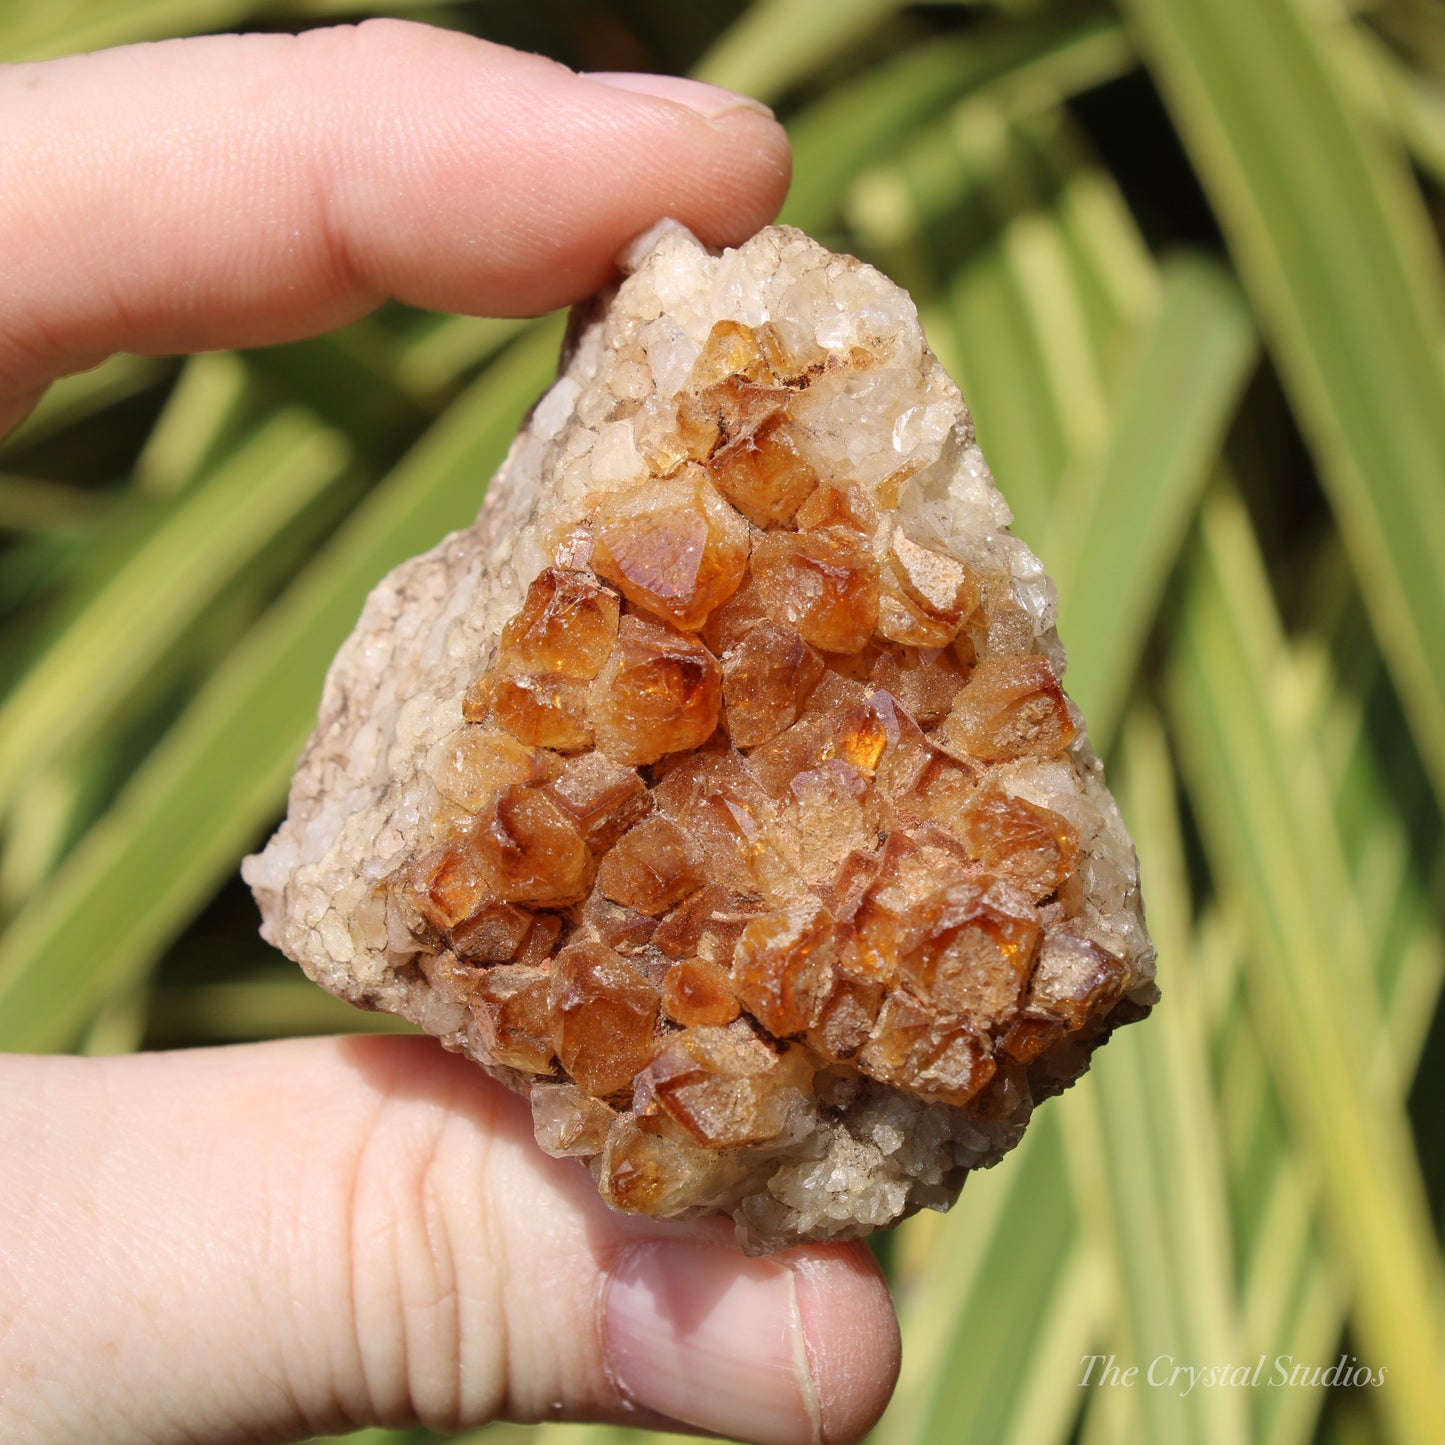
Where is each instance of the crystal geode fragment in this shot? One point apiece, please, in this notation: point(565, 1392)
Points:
point(717, 788)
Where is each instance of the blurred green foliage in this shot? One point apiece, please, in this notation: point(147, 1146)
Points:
point(1186, 261)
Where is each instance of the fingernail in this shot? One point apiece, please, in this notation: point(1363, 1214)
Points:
point(712, 1339)
point(709, 100)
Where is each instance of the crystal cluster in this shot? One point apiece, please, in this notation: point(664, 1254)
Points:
point(717, 788)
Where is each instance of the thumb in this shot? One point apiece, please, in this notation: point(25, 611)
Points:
point(283, 1239)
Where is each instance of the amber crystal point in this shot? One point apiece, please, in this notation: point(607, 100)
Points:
point(718, 788)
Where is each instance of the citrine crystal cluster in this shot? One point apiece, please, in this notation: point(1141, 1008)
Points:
point(717, 788)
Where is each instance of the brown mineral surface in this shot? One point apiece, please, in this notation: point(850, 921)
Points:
point(717, 788)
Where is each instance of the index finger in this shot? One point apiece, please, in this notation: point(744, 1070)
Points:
point(246, 190)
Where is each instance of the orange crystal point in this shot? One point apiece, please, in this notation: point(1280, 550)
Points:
point(839, 504)
point(512, 1007)
point(718, 788)
point(477, 765)
point(1074, 985)
point(532, 851)
point(695, 991)
point(783, 967)
point(932, 1055)
point(976, 952)
point(602, 797)
point(733, 350)
point(823, 583)
point(565, 627)
point(651, 867)
point(659, 693)
point(493, 934)
point(720, 1088)
point(1033, 848)
point(926, 596)
point(763, 476)
point(449, 886)
point(603, 1013)
point(845, 1020)
point(738, 425)
point(673, 546)
point(542, 709)
point(766, 679)
point(1010, 707)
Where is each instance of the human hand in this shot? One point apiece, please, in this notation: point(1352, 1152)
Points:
point(275, 1240)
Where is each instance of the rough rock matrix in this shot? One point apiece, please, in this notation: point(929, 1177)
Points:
point(717, 788)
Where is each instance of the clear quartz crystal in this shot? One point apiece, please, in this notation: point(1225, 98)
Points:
point(717, 788)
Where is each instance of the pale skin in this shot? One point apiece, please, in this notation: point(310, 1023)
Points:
point(272, 1241)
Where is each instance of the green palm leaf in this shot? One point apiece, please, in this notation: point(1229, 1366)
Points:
point(220, 774)
point(1334, 245)
point(1266, 821)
